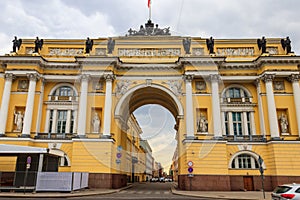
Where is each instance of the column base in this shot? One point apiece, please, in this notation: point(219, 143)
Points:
point(218, 137)
point(105, 136)
point(276, 138)
point(190, 137)
point(24, 136)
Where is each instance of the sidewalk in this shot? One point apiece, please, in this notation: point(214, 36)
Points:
point(224, 195)
point(79, 193)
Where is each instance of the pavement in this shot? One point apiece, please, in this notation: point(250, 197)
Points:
point(249, 195)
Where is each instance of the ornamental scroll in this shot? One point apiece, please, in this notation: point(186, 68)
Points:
point(150, 52)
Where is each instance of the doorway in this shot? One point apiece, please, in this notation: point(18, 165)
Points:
point(248, 183)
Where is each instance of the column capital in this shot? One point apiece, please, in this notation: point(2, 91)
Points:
point(33, 76)
point(188, 77)
point(9, 76)
point(85, 77)
point(294, 78)
point(257, 82)
point(214, 77)
point(109, 77)
point(268, 77)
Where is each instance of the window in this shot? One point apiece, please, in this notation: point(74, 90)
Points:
point(61, 118)
point(237, 123)
point(61, 121)
point(238, 113)
point(244, 161)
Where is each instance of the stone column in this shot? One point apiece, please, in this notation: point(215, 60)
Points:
point(39, 114)
point(29, 105)
point(5, 102)
point(108, 105)
point(189, 114)
point(83, 106)
point(272, 113)
point(294, 78)
point(260, 109)
point(216, 105)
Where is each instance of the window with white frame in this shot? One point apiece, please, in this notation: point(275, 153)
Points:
point(244, 161)
point(61, 117)
point(238, 112)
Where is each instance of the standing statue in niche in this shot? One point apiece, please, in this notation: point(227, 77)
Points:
point(96, 123)
point(187, 45)
point(210, 45)
point(18, 120)
point(110, 45)
point(38, 44)
point(262, 44)
point(88, 45)
point(16, 44)
point(283, 123)
point(286, 45)
point(202, 124)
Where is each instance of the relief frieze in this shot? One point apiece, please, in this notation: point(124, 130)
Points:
point(149, 52)
point(246, 51)
point(65, 51)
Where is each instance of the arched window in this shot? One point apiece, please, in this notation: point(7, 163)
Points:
point(244, 161)
point(238, 111)
point(63, 93)
point(62, 110)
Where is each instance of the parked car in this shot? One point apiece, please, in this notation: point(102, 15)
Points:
point(286, 191)
point(162, 179)
point(154, 179)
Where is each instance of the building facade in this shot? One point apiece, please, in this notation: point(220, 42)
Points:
point(234, 101)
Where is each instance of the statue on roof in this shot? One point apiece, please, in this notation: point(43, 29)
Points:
point(210, 45)
point(262, 44)
point(149, 30)
point(286, 44)
point(110, 45)
point(16, 44)
point(186, 45)
point(38, 45)
point(88, 45)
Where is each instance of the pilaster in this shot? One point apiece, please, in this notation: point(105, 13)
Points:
point(189, 115)
point(5, 102)
point(294, 78)
point(215, 78)
point(272, 114)
point(33, 77)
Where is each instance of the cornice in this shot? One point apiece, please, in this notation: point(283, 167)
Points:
point(143, 66)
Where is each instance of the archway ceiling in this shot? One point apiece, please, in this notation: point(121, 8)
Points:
point(150, 95)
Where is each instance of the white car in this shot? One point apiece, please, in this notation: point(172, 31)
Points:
point(286, 191)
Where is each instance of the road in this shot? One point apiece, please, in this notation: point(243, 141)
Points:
point(148, 191)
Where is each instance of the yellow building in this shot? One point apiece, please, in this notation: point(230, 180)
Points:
point(234, 100)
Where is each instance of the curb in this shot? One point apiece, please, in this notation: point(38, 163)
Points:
point(79, 193)
point(176, 192)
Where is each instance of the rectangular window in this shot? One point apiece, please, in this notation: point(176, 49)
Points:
point(226, 123)
point(72, 121)
point(50, 121)
point(62, 121)
point(237, 123)
point(248, 123)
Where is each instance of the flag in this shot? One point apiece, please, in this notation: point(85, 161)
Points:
point(149, 3)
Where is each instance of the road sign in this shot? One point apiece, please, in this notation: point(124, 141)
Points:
point(190, 169)
point(260, 160)
point(119, 148)
point(190, 163)
point(119, 155)
point(28, 160)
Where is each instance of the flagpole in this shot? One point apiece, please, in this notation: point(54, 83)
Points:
point(150, 12)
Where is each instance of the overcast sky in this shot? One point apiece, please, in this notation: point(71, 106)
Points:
point(102, 18)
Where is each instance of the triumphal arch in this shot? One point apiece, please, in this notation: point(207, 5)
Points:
point(236, 104)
